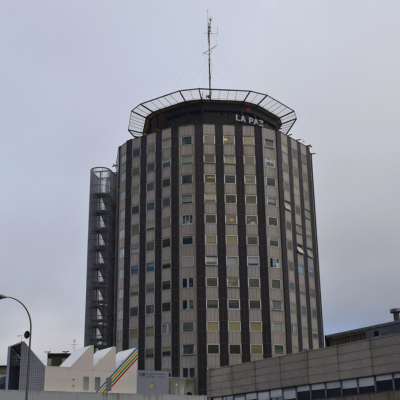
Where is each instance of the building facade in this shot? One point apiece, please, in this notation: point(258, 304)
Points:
point(209, 257)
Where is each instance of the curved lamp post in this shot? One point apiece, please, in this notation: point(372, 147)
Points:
point(2, 296)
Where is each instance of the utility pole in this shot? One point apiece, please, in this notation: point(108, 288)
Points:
point(208, 52)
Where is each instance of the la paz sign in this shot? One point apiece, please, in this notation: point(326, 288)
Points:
point(249, 120)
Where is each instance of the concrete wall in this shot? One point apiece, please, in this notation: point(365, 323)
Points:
point(361, 359)
point(40, 395)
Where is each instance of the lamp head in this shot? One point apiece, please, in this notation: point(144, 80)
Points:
point(2, 296)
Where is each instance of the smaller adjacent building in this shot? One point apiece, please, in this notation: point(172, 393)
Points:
point(369, 332)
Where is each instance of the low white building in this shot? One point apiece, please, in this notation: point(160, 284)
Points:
point(86, 371)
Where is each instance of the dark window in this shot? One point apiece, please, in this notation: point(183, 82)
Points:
point(166, 285)
point(187, 179)
point(383, 386)
point(134, 269)
point(349, 392)
point(270, 181)
point(306, 395)
point(166, 182)
point(336, 392)
point(133, 312)
point(135, 210)
point(234, 349)
point(186, 140)
point(367, 389)
point(166, 202)
point(213, 349)
point(151, 167)
point(318, 394)
point(166, 306)
point(135, 153)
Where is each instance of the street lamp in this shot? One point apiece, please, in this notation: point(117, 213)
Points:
point(2, 296)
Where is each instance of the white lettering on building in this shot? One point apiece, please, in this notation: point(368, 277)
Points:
point(250, 120)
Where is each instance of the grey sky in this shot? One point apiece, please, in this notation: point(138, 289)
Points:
point(70, 73)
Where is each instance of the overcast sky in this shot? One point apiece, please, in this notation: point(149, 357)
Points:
point(70, 73)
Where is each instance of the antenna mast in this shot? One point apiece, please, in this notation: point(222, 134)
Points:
point(208, 52)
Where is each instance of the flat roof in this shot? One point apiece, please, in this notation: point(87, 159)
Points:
point(139, 114)
point(360, 330)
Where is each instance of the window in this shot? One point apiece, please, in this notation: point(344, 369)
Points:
point(292, 286)
point(231, 240)
point(135, 210)
point(253, 261)
point(234, 304)
point(166, 182)
point(271, 201)
point(303, 310)
point(310, 253)
point(209, 158)
point(123, 159)
point(149, 287)
point(230, 198)
point(285, 167)
point(120, 273)
point(256, 349)
point(293, 308)
point(151, 167)
point(149, 330)
point(249, 160)
point(166, 351)
point(166, 202)
point(166, 144)
point(166, 306)
point(150, 266)
point(186, 140)
point(187, 304)
point(164, 329)
point(294, 154)
point(187, 349)
point(314, 313)
point(149, 186)
point(254, 282)
point(248, 140)
point(211, 260)
point(278, 349)
point(210, 218)
point(210, 198)
point(276, 305)
point(121, 234)
point(232, 261)
point(274, 242)
point(150, 309)
point(150, 206)
point(212, 326)
point(229, 139)
point(166, 162)
point(134, 290)
point(119, 335)
point(150, 246)
point(212, 303)
point(212, 282)
point(249, 179)
point(209, 178)
point(135, 249)
point(151, 148)
point(255, 304)
point(213, 348)
point(252, 240)
point(251, 199)
point(188, 373)
point(187, 240)
point(289, 245)
point(187, 326)
point(234, 326)
point(122, 214)
point(208, 139)
point(272, 221)
point(295, 172)
point(135, 190)
point(297, 210)
point(231, 219)
point(134, 269)
point(187, 198)
point(187, 219)
point(166, 222)
point(122, 196)
point(123, 176)
point(311, 272)
point(150, 225)
point(296, 190)
point(230, 178)
point(149, 353)
point(312, 292)
point(135, 153)
point(134, 311)
point(301, 270)
point(303, 159)
point(307, 214)
point(251, 219)
point(187, 179)
point(278, 327)
point(302, 289)
point(269, 143)
point(255, 326)
point(166, 243)
point(274, 262)
point(234, 349)
point(85, 383)
point(233, 282)
point(275, 284)
point(211, 239)
point(284, 148)
point(166, 285)
point(299, 230)
point(270, 162)
point(229, 159)
point(187, 159)
point(187, 282)
point(120, 293)
point(308, 233)
point(166, 264)
point(271, 182)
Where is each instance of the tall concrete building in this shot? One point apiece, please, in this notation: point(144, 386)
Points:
point(202, 246)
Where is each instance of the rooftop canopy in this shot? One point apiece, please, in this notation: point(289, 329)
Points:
point(140, 114)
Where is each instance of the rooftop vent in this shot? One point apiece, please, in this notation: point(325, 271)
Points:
point(395, 312)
